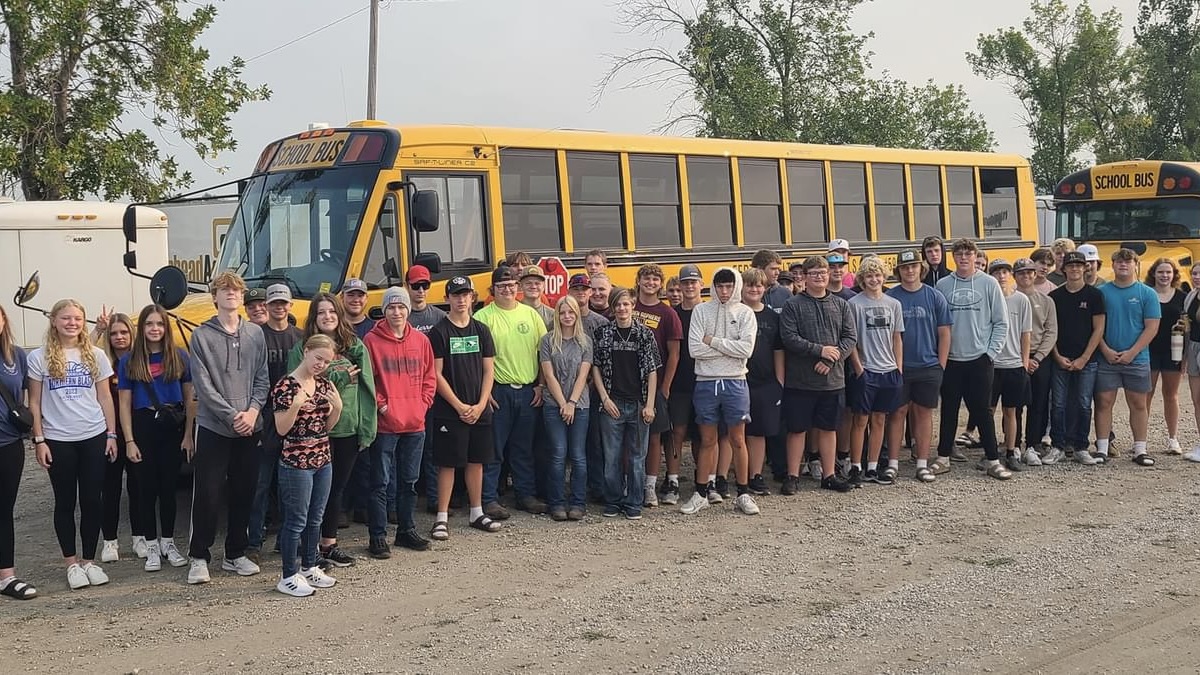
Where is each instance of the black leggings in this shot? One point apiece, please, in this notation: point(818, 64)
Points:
point(111, 493)
point(158, 473)
point(77, 472)
point(12, 462)
point(345, 454)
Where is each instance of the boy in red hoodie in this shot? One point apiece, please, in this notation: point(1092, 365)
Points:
point(405, 383)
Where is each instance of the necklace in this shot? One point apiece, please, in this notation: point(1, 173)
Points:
point(626, 335)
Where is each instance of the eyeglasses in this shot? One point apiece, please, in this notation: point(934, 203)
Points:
point(506, 286)
point(818, 273)
point(419, 286)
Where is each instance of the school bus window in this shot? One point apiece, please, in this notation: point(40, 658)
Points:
point(850, 200)
point(762, 220)
point(891, 207)
point(597, 216)
point(1001, 220)
point(461, 237)
point(383, 245)
point(529, 188)
point(712, 201)
point(927, 200)
point(960, 184)
point(806, 194)
point(656, 217)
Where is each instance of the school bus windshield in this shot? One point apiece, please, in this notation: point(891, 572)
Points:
point(1132, 219)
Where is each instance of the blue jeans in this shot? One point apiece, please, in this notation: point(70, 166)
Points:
point(1071, 411)
point(595, 450)
point(397, 461)
point(624, 475)
point(427, 467)
point(512, 428)
point(565, 442)
point(268, 460)
point(302, 497)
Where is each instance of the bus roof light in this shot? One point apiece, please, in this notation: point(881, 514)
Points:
point(1185, 183)
point(1080, 188)
point(1169, 183)
point(1066, 189)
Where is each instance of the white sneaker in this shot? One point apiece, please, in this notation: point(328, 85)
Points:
point(1173, 447)
point(77, 578)
point(95, 575)
point(153, 558)
point(317, 578)
point(1084, 457)
point(109, 552)
point(295, 586)
point(1031, 457)
point(243, 566)
point(166, 548)
point(694, 504)
point(649, 497)
point(745, 504)
point(1194, 455)
point(139, 547)
point(814, 469)
point(714, 497)
point(1053, 456)
point(198, 572)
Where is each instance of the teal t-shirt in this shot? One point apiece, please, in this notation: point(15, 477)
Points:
point(1127, 310)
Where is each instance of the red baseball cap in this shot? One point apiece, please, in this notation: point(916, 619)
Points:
point(417, 273)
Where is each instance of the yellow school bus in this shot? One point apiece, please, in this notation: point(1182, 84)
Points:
point(368, 200)
point(1150, 207)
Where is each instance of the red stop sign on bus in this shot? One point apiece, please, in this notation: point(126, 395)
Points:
point(556, 280)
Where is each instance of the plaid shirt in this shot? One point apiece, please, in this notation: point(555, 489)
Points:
point(641, 340)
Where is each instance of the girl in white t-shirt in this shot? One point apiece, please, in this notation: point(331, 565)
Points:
point(74, 432)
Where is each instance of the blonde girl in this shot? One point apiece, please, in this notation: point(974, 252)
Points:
point(565, 354)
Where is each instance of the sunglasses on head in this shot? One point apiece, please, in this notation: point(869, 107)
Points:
point(419, 286)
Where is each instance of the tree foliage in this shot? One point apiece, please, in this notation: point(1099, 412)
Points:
point(787, 70)
point(1168, 37)
point(80, 70)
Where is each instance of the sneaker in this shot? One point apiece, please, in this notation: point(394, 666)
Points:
point(1194, 455)
point(842, 466)
point(694, 504)
point(295, 586)
point(714, 495)
point(745, 504)
point(611, 512)
point(198, 572)
point(1173, 447)
point(254, 555)
point(77, 578)
point(139, 547)
point(1012, 460)
point(940, 466)
point(167, 549)
point(836, 484)
point(723, 487)
point(316, 577)
point(670, 493)
point(649, 497)
point(337, 557)
point(630, 514)
point(1053, 456)
point(240, 565)
point(576, 513)
point(814, 469)
point(153, 558)
point(410, 540)
point(1031, 457)
point(109, 552)
point(791, 485)
point(879, 478)
point(379, 549)
point(957, 454)
point(758, 485)
point(1085, 458)
point(95, 575)
point(855, 476)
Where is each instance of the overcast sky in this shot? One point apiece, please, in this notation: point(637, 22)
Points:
point(535, 63)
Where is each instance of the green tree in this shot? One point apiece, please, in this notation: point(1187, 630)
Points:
point(1168, 33)
point(787, 70)
point(80, 69)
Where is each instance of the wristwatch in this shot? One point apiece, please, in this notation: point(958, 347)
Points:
point(38, 440)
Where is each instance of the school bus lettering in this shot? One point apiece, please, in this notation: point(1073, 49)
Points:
point(309, 153)
point(1124, 181)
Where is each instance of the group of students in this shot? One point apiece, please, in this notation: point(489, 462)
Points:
point(809, 368)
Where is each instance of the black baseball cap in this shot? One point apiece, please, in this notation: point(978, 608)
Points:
point(505, 273)
point(254, 295)
point(1074, 258)
point(459, 285)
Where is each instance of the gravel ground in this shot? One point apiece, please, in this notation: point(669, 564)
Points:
point(1063, 569)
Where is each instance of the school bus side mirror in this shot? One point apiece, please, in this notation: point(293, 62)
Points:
point(168, 287)
point(431, 261)
point(129, 224)
point(425, 211)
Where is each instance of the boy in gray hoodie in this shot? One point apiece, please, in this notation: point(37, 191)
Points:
point(229, 371)
point(720, 340)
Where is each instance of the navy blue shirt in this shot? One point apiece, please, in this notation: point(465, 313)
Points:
point(925, 310)
point(12, 378)
point(169, 391)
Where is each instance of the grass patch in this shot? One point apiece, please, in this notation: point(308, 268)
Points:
point(594, 635)
point(999, 562)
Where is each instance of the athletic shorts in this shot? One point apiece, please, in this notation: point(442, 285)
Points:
point(680, 408)
point(765, 404)
point(456, 443)
point(724, 402)
point(1133, 377)
point(922, 386)
point(877, 392)
point(1010, 387)
point(1161, 360)
point(662, 415)
point(1192, 356)
point(806, 410)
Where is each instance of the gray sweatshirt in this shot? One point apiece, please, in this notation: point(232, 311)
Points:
point(807, 324)
point(978, 315)
point(732, 328)
point(229, 374)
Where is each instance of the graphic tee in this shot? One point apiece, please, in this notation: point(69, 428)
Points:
point(70, 409)
point(878, 320)
point(169, 392)
point(462, 351)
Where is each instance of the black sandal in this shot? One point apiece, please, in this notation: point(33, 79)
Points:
point(440, 531)
point(486, 524)
point(1143, 460)
point(19, 589)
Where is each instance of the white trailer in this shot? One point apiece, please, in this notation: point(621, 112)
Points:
point(197, 231)
point(77, 250)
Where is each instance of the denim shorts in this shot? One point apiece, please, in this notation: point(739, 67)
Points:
point(1133, 377)
point(721, 402)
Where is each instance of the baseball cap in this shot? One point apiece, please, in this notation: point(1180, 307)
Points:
point(416, 273)
point(532, 271)
point(255, 295)
point(279, 292)
point(1024, 264)
point(504, 273)
point(909, 256)
point(579, 280)
point(1074, 258)
point(786, 276)
point(354, 285)
point(835, 259)
point(999, 264)
point(690, 272)
point(838, 243)
point(1089, 251)
point(396, 294)
point(458, 285)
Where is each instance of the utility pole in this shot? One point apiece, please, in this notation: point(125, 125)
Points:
point(372, 59)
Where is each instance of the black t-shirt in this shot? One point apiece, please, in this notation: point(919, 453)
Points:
point(626, 376)
point(760, 368)
point(1193, 313)
point(1075, 312)
point(1171, 311)
point(685, 372)
point(462, 351)
point(279, 346)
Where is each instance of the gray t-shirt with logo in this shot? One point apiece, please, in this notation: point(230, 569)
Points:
point(425, 319)
point(1020, 320)
point(878, 319)
point(566, 364)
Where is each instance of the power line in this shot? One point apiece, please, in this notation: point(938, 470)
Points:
point(309, 34)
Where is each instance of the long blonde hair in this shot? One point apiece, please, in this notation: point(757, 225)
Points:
point(556, 331)
point(56, 357)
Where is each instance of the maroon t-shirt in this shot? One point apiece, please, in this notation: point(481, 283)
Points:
point(663, 321)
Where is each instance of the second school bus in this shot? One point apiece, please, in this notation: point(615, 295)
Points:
point(331, 204)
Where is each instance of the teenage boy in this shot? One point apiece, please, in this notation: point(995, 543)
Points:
point(580, 288)
point(601, 287)
point(463, 360)
point(1094, 263)
point(255, 302)
point(837, 275)
point(926, 352)
point(229, 372)
point(405, 383)
point(533, 285)
point(664, 323)
point(1010, 383)
point(423, 316)
point(839, 247)
point(877, 361)
point(770, 263)
point(595, 262)
point(837, 272)
point(679, 403)
point(1080, 310)
point(764, 377)
point(1132, 322)
point(354, 299)
point(934, 252)
point(1043, 262)
point(818, 334)
point(1059, 248)
point(721, 339)
point(979, 322)
point(516, 331)
point(1041, 343)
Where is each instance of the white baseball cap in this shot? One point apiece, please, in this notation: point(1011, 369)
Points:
point(279, 292)
point(1089, 252)
point(839, 244)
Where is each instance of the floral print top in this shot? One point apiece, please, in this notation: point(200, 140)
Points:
point(306, 444)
